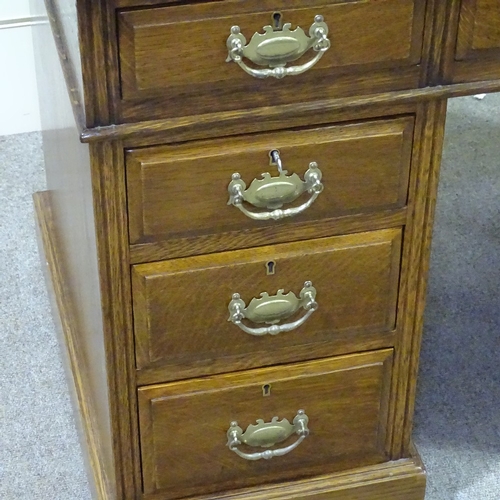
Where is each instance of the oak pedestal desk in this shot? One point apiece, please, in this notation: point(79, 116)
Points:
point(237, 229)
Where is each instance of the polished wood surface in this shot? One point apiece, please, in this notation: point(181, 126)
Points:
point(271, 117)
point(101, 77)
point(69, 228)
point(416, 251)
point(365, 169)
point(399, 480)
point(109, 206)
point(183, 425)
point(73, 348)
point(142, 201)
point(430, 152)
point(87, 247)
point(201, 245)
point(356, 278)
point(65, 28)
point(478, 44)
point(479, 31)
point(180, 51)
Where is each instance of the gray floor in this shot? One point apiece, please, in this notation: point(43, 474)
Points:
point(458, 406)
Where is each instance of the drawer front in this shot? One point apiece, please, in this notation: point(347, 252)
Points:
point(183, 426)
point(174, 57)
point(181, 306)
point(478, 45)
point(181, 192)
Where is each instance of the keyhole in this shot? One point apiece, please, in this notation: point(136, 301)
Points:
point(270, 267)
point(266, 390)
point(277, 25)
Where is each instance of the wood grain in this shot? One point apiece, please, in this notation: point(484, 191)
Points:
point(439, 40)
point(183, 425)
point(423, 191)
point(176, 319)
point(233, 240)
point(146, 90)
point(479, 28)
point(398, 480)
point(109, 203)
point(97, 29)
point(96, 37)
point(180, 191)
point(269, 117)
point(72, 348)
point(445, 40)
point(63, 20)
point(73, 239)
point(164, 73)
point(432, 149)
point(478, 42)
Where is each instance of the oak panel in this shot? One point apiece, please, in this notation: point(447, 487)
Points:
point(180, 191)
point(478, 43)
point(479, 28)
point(183, 425)
point(181, 305)
point(172, 58)
point(353, 78)
point(67, 223)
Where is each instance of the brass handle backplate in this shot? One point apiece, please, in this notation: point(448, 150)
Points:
point(266, 435)
point(272, 192)
point(277, 47)
point(272, 309)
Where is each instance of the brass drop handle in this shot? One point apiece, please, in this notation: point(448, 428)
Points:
point(277, 47)
point(266, 435)
point(272, 309)
point(272, 192)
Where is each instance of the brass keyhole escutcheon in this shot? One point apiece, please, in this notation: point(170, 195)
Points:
point(270, 267)
point(266, 390)
point(277, 21)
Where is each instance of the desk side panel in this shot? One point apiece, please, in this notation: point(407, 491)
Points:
point(69, 184)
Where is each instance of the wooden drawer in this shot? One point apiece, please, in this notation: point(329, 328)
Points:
point(173, 58)
point(478, 44)
point(183, 425)
point(178, 195)
point(181, 306)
